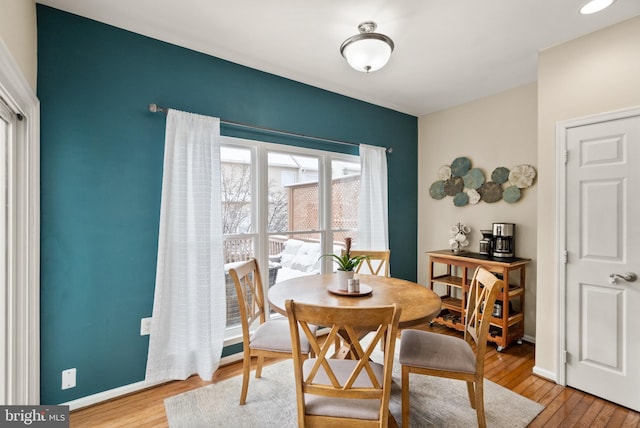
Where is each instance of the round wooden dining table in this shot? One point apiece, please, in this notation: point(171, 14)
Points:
point(419, 304)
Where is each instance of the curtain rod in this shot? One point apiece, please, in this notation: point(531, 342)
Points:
point(154, 108)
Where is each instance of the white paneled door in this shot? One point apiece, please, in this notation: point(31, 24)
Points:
point(603, 249)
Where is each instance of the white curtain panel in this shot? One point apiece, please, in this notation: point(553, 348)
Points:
point(373, 226)
point(189, 306)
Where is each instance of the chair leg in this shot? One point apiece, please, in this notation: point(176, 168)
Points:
point(405, 396)
point(480, 403)
point(472, 394)
point(246, 372)
point(259, 366)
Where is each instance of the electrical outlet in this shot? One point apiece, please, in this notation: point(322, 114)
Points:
point(145, 326)
point(68, 378)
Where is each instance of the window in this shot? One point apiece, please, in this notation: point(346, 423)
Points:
point(286, 206)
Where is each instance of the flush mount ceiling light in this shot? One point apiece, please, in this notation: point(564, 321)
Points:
point(367, 51)
point(595, 6)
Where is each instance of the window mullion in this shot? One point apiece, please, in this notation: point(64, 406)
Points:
point(326, 216)
point(261, 196)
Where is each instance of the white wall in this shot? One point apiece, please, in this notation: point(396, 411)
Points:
point(593, 74)
point(499, 130)
point(19, 34)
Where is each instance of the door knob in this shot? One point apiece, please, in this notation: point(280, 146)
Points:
point(627, 276)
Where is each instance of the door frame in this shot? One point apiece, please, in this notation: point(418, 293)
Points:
point(23, 248)
point(561, 221)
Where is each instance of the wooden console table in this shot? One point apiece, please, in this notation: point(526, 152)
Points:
point(507, 323)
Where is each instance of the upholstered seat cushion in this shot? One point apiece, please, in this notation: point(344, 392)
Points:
point(436, 351)
point(275, 336)
point(341, 407)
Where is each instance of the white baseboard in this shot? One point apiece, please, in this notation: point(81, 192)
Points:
point(110, 394)
point(530, 339)
point(549, 375)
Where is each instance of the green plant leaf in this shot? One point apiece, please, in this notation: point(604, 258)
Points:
point(345, 263)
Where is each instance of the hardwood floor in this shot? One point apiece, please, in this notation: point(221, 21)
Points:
point(511, 368)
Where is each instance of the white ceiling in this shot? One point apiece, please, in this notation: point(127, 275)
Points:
point(447, 52)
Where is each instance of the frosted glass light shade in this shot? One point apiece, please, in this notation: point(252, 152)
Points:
point(367, 53)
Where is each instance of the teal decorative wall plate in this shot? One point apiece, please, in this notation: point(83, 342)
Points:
point(511, 194)
point(500, 175)
point(460, 167)
point(461, 199)
point(437, 190)
point(474, 178)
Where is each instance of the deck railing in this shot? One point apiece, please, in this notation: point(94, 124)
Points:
point(241, 249)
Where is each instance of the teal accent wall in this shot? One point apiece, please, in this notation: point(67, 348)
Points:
point(101, 174)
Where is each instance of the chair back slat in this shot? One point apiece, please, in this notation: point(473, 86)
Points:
point(360, 378)
point(248, 284)
point(377, 262)
point(483, 292)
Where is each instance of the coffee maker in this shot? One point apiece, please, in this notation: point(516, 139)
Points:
point(486, 242)
point(504, 235)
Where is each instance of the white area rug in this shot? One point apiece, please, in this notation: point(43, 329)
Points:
point(271, 402)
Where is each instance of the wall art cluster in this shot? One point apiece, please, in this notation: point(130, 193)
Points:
point(469, 185)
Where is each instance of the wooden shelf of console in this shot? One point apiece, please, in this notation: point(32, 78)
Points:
point(459, 268)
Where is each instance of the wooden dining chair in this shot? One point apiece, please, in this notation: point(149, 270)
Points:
point(261, 337)
point(433, 354)
point(377, 262)
point(353, 392)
